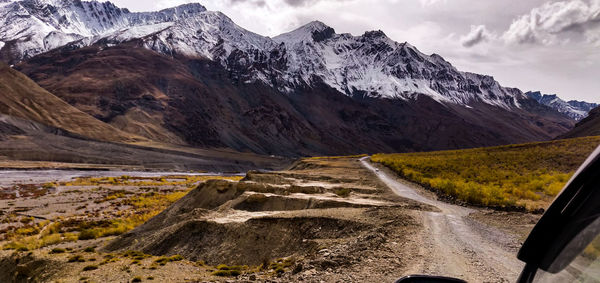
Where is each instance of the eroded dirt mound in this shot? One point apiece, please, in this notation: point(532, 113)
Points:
point(210, 224)
point(263, 217)
point(334, 223)
point(26, 268)
point(251, 242)
point(261, 202)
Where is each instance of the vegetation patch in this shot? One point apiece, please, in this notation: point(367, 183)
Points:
point(164, 260)
point(108, 258)
point(57, 251)
point(281, 265)
point(592, 251)
point(76, 258)
point(342, 192)
point(527, 175)
point(224, 270)
point(175, 180)
point(46, 233)
point(90, 267)
point(143, 208)
point(338, 157)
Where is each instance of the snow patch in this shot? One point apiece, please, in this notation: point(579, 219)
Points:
point(576, 110)
point(371, 64)
point(140, 31)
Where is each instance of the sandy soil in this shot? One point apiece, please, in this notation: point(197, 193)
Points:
point(473, 244)
point(13, 177)
point(322, 220)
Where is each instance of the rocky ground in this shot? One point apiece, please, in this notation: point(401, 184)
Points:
point(322, 220)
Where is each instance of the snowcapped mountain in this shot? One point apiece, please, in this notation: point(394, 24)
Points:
point(576, 110)
point(310, 91)
point(31, 27)
point(370, 65)
point(375, 65)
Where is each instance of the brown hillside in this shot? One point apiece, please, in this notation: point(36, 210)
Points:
point(21, 97)
point(589, 126)
point(193, 101)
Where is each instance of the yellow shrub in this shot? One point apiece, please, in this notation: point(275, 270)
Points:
point(495, 176)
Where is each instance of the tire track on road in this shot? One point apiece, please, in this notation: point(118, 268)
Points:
point(453, 245)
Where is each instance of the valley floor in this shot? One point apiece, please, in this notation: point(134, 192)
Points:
point(324, 219)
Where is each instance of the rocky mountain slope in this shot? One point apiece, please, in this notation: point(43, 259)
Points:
point(35, 125)
point(574, 109)
point(199, 101)
point(309, 91)
point(22, 98)
point(590, 126)
point(31, 27)
point(371, 64)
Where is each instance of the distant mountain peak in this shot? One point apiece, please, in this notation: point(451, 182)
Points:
point(314, 31)
point(370, 64)
point(375, 34)
point(576, 110)
point(189, 8)
point(315, 26)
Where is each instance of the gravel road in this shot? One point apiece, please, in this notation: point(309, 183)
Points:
point(455, 245)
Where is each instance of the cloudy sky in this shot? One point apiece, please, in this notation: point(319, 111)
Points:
point(547, 45)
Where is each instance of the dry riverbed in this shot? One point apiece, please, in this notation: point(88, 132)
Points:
point(329, 220)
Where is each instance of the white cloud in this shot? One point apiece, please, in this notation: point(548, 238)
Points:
point(557, 22)
point(478, 34)
point(431, 2)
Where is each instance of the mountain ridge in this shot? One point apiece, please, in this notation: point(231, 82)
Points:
point(588, 126)
point(307, 92)
point(207, 105)
point(21, 97)
point(370, 64)
point(574, 109)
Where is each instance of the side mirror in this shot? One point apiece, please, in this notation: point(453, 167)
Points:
point(428, 279)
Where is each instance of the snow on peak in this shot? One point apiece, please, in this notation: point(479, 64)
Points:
point(315, 26)
point(36, 26)
point(375, 34)
point(176, 13)
point(312, 32)
point(576, 110)
point(370, 64)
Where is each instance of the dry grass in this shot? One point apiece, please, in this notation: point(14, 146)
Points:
point(48, 233)
point(140, 208)
point(337, 157)
point(176, 180)
point(592, 251)
point(526, 175)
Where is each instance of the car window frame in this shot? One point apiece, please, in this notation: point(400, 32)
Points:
point(564, 220)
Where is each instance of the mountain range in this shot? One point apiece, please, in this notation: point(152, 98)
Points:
point(37, 126)
point(573, 108)
point(191, 77)
point(589, 126)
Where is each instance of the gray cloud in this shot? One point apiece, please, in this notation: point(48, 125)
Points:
point(258, 3)
point(292, 3)
point(299, 3)
point(304, 3)
point(556, 22)
point(478, 34)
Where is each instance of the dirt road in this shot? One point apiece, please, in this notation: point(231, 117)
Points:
point(454, 244)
